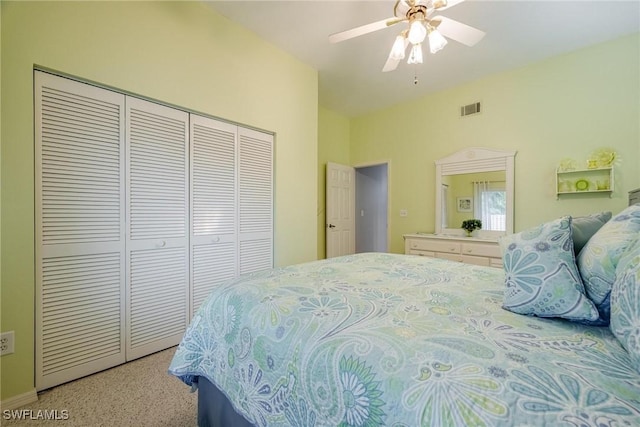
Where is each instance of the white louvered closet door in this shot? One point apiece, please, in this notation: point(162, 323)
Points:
point(255, 173)
point(158, 226)
point(80, 234)
point(214, 242)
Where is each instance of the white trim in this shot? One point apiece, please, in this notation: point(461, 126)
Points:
point(473, 154)
point(15, 402)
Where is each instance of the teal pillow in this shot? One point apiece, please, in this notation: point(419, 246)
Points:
point(598, 259)
point(584, 227)
point(625, 303)
point(541, 276)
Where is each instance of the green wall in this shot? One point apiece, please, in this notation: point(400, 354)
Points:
point(333, 146)
point(182, 53)
point(564, 107)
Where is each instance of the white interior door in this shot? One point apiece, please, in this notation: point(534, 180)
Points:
point(214, 242)
point(340, 210)
point(80, 235)
point(255, 200)
point(157, 226)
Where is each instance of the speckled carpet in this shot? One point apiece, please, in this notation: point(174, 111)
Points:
point(138, 393)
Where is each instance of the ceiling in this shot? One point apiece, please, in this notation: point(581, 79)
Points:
point(349, 73)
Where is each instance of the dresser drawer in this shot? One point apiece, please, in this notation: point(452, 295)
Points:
point(496, 262)
point(460, 249)
point(476, 260)
point(420, 253)
point(434, 246)
point(481, 249)
point(450, 257)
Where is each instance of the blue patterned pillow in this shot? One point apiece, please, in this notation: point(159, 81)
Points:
point(541, 274)
point(598, 259)
point(584, 227)
point(625, 303)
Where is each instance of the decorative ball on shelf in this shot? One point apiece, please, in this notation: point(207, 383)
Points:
point(470, 225)
point(567, 165)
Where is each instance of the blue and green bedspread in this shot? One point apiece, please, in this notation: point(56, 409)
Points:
point(396, 340)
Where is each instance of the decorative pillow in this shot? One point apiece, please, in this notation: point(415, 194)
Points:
point(541, 274)
point(598, 259)
point(625, 303)
point(583, 227)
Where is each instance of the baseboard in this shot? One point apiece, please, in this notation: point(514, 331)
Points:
point(19, 400)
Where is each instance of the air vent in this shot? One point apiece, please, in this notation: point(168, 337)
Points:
point(467, 110)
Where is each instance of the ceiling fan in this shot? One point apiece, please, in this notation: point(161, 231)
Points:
point(418, 13)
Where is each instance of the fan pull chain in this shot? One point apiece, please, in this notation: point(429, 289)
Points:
point(415, 75)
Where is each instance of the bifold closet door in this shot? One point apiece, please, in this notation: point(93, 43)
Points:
point(79, 230)
point(214, 241)
point(141, 210)
point(157, 226)
point(255, 172)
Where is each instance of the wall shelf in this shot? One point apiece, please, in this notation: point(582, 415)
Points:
point(585, 181)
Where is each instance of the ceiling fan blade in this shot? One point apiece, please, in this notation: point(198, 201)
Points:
point(363, 29)
point(457, 30)
point(401, 8)
point(445, 4)
point(391, 63)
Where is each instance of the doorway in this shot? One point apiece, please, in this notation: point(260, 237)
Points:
point(371, 216)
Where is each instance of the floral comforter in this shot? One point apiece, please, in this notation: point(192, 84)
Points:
point(396, 340)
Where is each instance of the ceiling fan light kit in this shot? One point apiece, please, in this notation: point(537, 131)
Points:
point(436, 40)
point(416, 55)
point(421, 25)
point(397, 51)
point(417, 32)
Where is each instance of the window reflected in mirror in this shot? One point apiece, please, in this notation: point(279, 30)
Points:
point(475, 183)
point(479, 195)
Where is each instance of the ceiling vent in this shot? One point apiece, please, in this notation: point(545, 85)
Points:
point(468, 110)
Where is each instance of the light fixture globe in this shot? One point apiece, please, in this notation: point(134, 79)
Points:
point(416, 55)
point(436, 41)
point(417, 32)
point(397, 51)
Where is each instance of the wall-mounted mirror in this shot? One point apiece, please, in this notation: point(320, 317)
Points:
point(475, 183)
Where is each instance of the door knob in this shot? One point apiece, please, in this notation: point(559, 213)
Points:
point(331, 226)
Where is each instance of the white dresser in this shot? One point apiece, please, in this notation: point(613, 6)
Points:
point(469, 250)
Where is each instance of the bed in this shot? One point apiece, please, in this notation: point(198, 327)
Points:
point(383, 339)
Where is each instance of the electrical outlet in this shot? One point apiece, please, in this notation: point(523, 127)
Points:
point(7, 341)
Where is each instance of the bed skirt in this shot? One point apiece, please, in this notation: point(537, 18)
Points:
point(214, 409)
